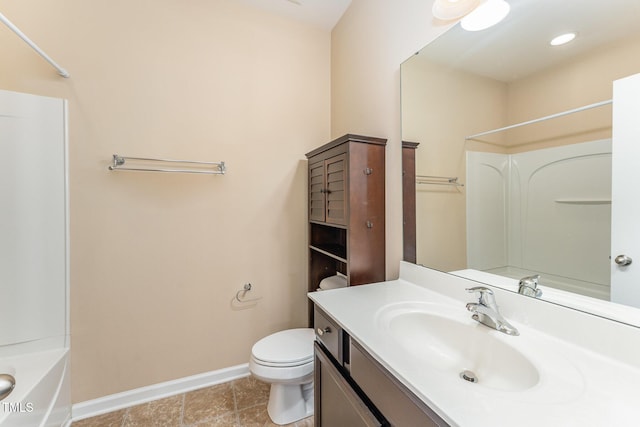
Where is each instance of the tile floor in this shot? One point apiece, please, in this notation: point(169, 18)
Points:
point(239, 403)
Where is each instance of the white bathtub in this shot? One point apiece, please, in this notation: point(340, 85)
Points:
point(40, 397)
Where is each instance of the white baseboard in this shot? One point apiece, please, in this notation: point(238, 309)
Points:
point(113, 402)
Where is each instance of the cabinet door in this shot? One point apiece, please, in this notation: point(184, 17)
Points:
point(399, 406)
point(335, 189)
point(317, 191)
point(336, 402)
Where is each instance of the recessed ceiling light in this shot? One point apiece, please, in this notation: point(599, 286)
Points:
point(486, 15)
point(562, 39)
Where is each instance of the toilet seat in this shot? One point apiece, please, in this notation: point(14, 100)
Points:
point(289, 348)
point(280, 374)
point(282, 365)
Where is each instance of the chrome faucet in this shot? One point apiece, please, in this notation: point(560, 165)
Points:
point(486, 311)
point(529, 286)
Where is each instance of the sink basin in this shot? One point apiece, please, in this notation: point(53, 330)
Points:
point(453, 344)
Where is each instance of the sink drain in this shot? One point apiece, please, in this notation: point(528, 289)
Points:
point(468, 376)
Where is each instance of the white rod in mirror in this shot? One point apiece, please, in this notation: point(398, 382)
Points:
point(64, 73)
point(438, 180)
point(541, 119)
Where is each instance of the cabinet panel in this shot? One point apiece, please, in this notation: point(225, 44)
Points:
point(316, 192)
point(336, 402)
point(397, 404)
point(367, 214)
point(335, 190)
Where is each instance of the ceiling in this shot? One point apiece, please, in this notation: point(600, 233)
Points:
point(519, 45)
point(322, 13)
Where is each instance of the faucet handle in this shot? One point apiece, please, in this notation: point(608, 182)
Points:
point(480, 289)
point(529, 286)
point(486, 296)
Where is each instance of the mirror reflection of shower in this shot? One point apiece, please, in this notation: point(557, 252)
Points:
point(547, 205)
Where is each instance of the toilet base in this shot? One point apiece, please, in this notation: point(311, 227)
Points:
point(289, 403)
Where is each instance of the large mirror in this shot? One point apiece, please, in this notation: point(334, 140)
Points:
point(514, 156)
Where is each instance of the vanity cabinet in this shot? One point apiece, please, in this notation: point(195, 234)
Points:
point(347, 211)
point(352, 389)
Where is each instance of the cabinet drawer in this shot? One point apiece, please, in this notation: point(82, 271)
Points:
point(328, 333)
point(398, 405)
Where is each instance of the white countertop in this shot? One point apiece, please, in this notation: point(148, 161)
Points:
point(581, 387)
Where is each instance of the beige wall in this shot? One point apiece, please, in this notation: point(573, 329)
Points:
point(157, 258)
point(584, 80)
point(440, 106)
point(367, 47)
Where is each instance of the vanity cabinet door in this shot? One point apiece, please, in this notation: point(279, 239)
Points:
point(399, 406)
point(336, 402)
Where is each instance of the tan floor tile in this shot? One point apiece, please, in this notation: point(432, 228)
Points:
point(241, 403)
point(208, 403)
point(229, 420)
point(253, 417)
point(307, 422)
point(259, 417)
point(161, 413)
point(250, 392)
point(112, 419)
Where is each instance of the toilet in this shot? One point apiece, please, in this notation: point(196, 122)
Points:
point(285, 360)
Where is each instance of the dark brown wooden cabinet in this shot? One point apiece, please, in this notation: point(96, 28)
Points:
point(347, 211)
point(352, 389)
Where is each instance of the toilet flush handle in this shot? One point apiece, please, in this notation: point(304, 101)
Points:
point(321, 331)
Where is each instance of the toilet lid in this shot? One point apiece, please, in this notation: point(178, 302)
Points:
point(289, 347)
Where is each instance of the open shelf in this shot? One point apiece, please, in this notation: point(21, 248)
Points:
point(334, 251)
point(329, 240)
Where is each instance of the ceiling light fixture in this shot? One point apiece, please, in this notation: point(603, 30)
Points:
point(448, 10)
point(562, 39)
point(486, 15)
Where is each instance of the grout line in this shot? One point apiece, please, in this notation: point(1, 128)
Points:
point(124, 417)
point(182, 409)
point(235, 402)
